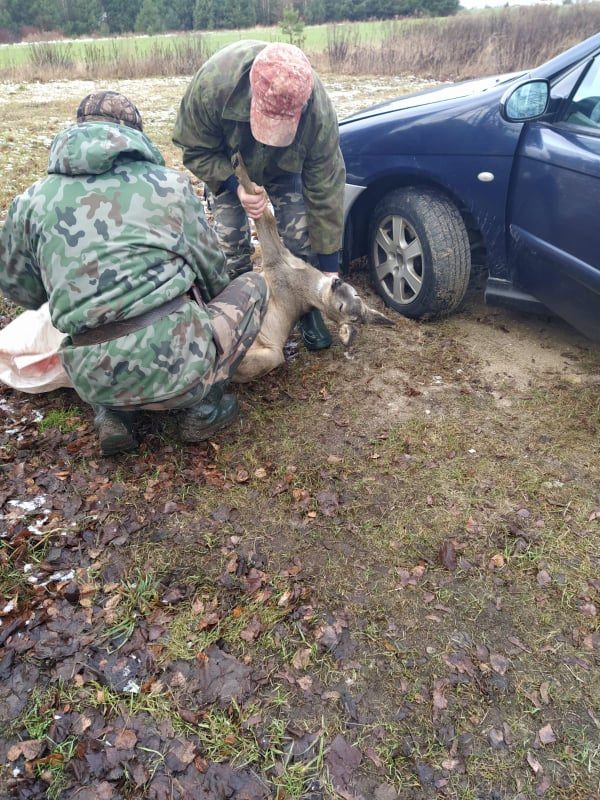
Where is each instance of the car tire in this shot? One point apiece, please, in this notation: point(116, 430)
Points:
point(419, 253)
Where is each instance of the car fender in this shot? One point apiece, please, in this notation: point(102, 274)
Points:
point(477, 185)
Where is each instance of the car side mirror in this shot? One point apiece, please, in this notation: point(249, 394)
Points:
point(527, 101)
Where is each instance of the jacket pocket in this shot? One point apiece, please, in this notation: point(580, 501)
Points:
point(292, 159)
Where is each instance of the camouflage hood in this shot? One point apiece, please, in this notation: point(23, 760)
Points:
point(93, 148)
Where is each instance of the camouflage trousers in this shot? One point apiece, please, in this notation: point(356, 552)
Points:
point(236, 315)
point(233, 229)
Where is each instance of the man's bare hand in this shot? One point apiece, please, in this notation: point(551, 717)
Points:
point(253, 204)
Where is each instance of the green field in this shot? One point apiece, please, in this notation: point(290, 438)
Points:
point(467, 45)
point(14, 55)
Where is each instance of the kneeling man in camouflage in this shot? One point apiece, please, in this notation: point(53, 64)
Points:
point(120, 248)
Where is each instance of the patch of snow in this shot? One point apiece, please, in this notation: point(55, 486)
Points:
point(65, 575)
point(28, 506)
point(35, 527)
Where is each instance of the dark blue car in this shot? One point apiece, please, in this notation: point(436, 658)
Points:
point(503, 171)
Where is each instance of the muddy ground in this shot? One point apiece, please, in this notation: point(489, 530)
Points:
point(382, 582)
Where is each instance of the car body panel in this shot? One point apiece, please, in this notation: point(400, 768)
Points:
point(453, 91)
point(446, 138)
point(555, 199)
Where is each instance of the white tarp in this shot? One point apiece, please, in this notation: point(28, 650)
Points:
point(29, 358)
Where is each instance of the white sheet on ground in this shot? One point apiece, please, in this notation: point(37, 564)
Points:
point(29, 359)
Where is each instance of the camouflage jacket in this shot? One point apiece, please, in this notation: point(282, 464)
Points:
point(214, 121)
point(109, 234)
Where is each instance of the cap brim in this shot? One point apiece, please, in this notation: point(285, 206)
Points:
point(273, 131)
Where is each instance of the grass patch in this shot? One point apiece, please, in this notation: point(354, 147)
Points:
point(137, 596)
point(61, 419)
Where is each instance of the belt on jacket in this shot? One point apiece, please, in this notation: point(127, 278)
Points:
point(114, 330)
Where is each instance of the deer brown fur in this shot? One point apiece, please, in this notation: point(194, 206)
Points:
point(295, 287)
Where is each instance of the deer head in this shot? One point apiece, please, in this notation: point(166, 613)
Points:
point(342, 304)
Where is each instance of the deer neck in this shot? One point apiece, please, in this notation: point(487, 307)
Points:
point(316, 285)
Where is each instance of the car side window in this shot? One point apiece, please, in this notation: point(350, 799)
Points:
point(584, 107)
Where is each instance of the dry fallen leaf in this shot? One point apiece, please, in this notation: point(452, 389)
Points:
point(589, 609)
point(301, 658)
point(372, 755)
point(29, 749)
point(496, 737)
point(534, 763)
point(543, 578)
point(546, 735)
point(447, 555)
point(450, 764)
point(499, 663)
point(252, 630)
point(439, 701)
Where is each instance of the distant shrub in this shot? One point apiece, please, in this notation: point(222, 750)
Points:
point(465, 46)
point(52, 57)
point(6, 36)
point(30, 34)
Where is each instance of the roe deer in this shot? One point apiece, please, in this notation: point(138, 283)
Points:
point(295, 287)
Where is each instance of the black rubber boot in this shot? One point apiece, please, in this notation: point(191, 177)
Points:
point(115, 430)
point(314, 331)
point(241, 270)
point(215, 411)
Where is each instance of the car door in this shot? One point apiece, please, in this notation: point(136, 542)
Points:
point(554, 207)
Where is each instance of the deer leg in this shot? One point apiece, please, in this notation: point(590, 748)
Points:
point(257, 362)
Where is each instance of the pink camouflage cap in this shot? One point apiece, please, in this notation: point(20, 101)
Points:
point(281, 80)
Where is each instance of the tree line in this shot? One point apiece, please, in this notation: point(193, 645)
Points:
point(79, 17)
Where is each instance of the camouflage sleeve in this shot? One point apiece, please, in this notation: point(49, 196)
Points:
point(20, 278)
point(205, 255)
point(198, 131)
point(323, 178)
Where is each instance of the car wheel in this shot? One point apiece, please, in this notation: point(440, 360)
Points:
point(419, 253)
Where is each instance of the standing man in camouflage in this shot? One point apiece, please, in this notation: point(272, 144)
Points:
point(265, 101)
point(117, 244)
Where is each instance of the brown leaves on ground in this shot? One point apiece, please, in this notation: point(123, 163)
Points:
point(546, 735)
point(59, 612)
point(342, 760)
point(447, 555)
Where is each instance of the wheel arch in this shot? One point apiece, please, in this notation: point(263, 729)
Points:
point(355, 244)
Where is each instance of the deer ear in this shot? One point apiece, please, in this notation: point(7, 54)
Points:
point(336, 283)
point(372, 317)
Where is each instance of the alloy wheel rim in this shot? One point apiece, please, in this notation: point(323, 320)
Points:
point(398, 259)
